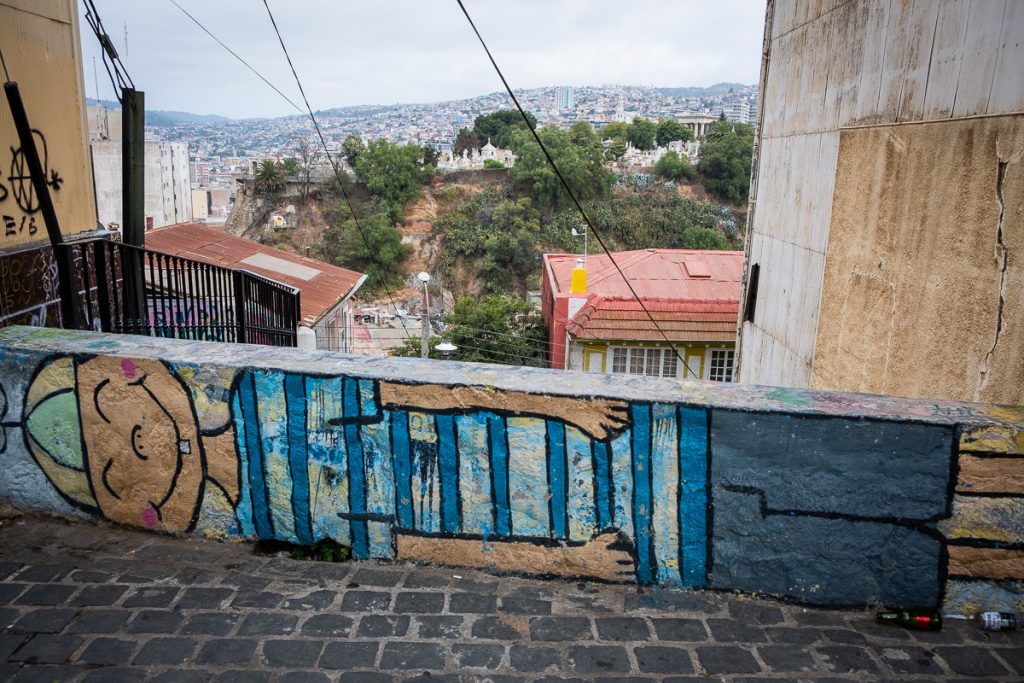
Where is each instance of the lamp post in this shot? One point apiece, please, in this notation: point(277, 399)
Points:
point(446, 347)
point(577, 233)
point(425, 324)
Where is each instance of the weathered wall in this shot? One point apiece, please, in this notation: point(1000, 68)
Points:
point(830, 68)
point(43, 55)
point(832, 499)
point(168, 195)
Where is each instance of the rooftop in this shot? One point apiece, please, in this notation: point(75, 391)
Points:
point(322, 285)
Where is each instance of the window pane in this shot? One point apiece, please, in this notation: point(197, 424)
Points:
point(721, 365)
point(619, 360)
point(653, 362)
point(636, 361)
point(670, 365)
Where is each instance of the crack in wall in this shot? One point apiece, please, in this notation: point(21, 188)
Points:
point(1001, 258)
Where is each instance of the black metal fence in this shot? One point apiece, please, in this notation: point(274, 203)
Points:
point(131, 290)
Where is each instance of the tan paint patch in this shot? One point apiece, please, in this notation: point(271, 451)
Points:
point(594, 559)
point(990, 475)
point(598, 417)
point(989, 518)
point(986, 563)
point(993, 439)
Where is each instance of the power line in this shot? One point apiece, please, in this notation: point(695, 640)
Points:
point(565, 185)
point(239, 58)
point(334, 165)
point(119, 78)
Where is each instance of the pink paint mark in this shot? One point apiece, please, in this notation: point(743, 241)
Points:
point(128, 367)
point(149, 517)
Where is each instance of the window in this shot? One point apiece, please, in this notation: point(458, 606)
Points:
point(721, 365)
point(639, 361)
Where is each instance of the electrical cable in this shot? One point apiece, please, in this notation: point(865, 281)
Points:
point(119, 78)
point(334, 165)
point(565, 185)
point(239, 58)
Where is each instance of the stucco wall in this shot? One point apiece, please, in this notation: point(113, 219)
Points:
point(824, 498)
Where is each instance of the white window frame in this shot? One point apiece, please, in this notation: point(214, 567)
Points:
point(641, 360)
point(720, 364)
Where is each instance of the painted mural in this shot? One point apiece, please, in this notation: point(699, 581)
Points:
point(832, 509)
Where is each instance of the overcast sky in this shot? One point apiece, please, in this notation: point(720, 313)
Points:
point(391, 51)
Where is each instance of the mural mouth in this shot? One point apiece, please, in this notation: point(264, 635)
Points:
point(106, 480)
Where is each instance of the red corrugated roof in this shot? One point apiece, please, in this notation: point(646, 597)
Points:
point(693, 295)
point(318, 295)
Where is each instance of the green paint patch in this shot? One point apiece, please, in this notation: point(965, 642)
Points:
point(790, 396)
point(53, 424)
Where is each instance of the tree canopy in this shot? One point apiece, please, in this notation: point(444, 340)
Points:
point(670, 130)
point(465, 140)
point(642, 133)
point(395, 173)
point(499, 126)
point(269, 176)
point(351, 149)
point(726, 156)
point(377, 250)
point(577, 154)
point(671, 166)
point(616, 130)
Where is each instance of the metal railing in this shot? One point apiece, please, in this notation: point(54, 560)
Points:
point(132, 290)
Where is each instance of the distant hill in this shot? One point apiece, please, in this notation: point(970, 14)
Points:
point(158, 117)
point(692, 91)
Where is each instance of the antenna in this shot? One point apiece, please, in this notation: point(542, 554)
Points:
point(126, 39)
point(96, 80)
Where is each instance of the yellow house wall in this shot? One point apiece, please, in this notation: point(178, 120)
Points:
point(601, 352)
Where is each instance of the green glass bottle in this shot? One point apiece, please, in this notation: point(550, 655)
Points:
point(917, 619)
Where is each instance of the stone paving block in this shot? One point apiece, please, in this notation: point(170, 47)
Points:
point(50, 620)
point(439, 627)
point(44, 573)
point(349, 655)
point(733, 631)
point(661, 600)
point(116, 674)
point(534, 658)
point(590, 659)
point(786, 658)
point(85, 576)
point(727, 659)
point(317, 600)
point(246, 581)
point(419, 603)
point(98, 596)
point(381, 625)
point(267, 624)
point(107, 651)
point(498, 628)
point(842, 635)
point(472, 603)
point(365, 601)
point(399, 655)
point(478, 656)
point(523, 605)
point(971, 661)
point(182, 676)
point(197, 576)
point(327, 571)
point(427, 677)
point(10, 642)
point(203, 598)
point(622, 628)
point(47, 674)
point(241, 676)
point(424, 577)
point(846, 658)
point(752, 612)
point(156, 621)
point(328, 625)
point(151, 596)
point(1012, 656)
point(258, 599)
point(165, 651)
point(8, 615)
point(210, 623)
point(946, 636)
point(46, 594)
point(220, 651)
point(909, 659)
point(100, 621)
point(816, 617)
point(793, 636)
point(303, 677)
point(9, 591)
point(8, 569)
point(474, 584)
point(47, 649)
point(365, 677)
point(387, 578)
point(292, 654)
point(560, 628)
point(687, 630)
point(139, 572)
point(659, 659)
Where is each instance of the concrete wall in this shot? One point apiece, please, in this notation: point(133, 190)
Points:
point(168, 192)
point(824, 498)
point(843, 248)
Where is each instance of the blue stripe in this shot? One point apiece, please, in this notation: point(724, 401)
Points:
point(449, 464)
point(257, 481)
point(295, 401)
point(641, 419)
point(556, 478)
point(693, 496)
point(603, 489)
point(497, 437)
point(403, 468)
point(356, 474)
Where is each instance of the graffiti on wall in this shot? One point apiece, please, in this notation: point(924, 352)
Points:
point(813, 508)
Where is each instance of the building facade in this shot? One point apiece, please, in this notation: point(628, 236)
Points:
point(168, 189)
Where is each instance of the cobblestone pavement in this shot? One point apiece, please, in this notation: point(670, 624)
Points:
point(83, 602)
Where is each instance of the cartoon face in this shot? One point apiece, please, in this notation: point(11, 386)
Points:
point(141, 440)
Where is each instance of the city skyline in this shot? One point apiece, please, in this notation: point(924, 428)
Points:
point(401, 54)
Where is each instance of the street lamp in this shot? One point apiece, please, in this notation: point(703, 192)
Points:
point(446, 347)
point(577, 233)
point(425, 325)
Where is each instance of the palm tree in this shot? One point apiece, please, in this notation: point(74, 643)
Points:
point(269, 177)
point(291, 167)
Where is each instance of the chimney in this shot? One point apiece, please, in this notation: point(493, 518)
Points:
point(578, 289)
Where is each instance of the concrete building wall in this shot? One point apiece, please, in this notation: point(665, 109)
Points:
point(168, 192)
point(825, 498)
point(850, 90)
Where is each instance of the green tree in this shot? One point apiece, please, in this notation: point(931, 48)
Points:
point(269, 177)
point(725, 160)
point(466, 140)
point(674, 167)
point(290, 167)
point(582, 134)
point(696, 237)
point(376, 250)
point(351, 149)
point(615, 150)
point(582, 166)
point(493, 164)
point(395, 173)
point(641, 134)
point(669, 130)
point(615, 131)
point(499, 126)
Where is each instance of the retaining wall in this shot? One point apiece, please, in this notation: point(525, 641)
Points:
point(823, 498)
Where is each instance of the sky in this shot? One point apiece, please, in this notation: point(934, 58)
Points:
point(404, 51)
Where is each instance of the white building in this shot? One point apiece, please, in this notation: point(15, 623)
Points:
point(168, 190)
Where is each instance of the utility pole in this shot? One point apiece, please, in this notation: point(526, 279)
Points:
point(425, 324)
